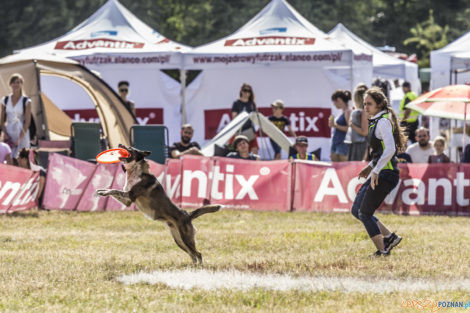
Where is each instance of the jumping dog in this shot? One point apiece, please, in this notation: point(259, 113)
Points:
point(143, 189)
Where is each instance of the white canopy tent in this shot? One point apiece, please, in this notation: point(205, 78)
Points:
point(384, 65)
point(450, 65)
point(282, 56)
point(119, 46)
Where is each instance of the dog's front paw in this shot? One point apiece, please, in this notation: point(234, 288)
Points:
point(103, 192)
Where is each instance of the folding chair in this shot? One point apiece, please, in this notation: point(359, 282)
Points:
point(86, 142)
point(153, 138)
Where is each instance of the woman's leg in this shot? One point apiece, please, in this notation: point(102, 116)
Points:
point(373, 198)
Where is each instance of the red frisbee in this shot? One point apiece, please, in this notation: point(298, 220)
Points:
point(111, 156)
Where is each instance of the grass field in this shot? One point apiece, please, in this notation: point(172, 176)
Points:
point(71, 262)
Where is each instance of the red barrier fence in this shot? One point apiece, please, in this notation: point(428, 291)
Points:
point(258, 185)
point(18, 189)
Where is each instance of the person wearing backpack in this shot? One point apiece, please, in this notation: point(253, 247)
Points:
point(16, 116)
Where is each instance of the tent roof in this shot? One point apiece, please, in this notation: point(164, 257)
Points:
point(276, 28)
point(461, 44)
point(349, 39)
point(23, 57)
point(111, 29)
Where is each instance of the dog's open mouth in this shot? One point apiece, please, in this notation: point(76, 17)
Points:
point(129, 156)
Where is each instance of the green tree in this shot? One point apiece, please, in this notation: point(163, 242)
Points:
point(427, 36)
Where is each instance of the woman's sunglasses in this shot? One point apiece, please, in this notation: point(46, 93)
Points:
point(246, 90)
point(123, 90)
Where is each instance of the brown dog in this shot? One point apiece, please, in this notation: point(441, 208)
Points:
point(147, 193)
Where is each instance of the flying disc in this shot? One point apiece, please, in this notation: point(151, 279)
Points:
point(112, 155)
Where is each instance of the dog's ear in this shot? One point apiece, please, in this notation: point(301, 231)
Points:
point(146, 153)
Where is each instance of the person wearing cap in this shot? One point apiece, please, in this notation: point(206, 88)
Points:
point(242, 149)
point(301, 145)
point(281, 121)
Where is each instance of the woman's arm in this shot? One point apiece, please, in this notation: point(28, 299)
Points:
point(291, 132)
point(364, 129)
point(3, 116)
point(347, 115)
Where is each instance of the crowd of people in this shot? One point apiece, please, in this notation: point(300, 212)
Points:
point(350, 130)
point(368, 130)
point(348, 141)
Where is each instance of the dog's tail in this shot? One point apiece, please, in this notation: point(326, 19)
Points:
point(203, 210)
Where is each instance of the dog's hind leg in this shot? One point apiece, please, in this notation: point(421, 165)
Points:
point(188, 233)
point(179, 241)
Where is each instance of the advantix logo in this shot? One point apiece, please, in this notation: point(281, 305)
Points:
point(270, 41)
point(97, 43)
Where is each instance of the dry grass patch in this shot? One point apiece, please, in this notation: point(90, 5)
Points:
point(70, 262)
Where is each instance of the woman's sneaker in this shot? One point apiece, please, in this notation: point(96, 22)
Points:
point(392, 241)
point(379, 253)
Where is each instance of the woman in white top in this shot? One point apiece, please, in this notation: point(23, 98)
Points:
point(385, 138)
point(16, 117)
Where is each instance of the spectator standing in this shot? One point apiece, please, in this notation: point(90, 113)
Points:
point(281, 121)
point(123, 89)
point(358, 126)
point(301, 146)
point(408, 117)
point(439, 156)
point(246, 102)
point(242, 148)
point(185, 146)
point(422, 149)
point(16, 116)
point(340, 125)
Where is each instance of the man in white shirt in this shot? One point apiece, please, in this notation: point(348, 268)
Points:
point(422, 148)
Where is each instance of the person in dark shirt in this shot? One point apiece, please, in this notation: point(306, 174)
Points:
point(281, 121)
point(241, 145)
point(404, 158)
point(439, 156)
point(466, 154)
point(123, 90)
point(185, 146)
point(246, 102)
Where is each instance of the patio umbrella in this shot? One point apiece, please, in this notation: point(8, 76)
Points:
point(446, 102)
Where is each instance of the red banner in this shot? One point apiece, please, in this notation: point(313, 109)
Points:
point(66, 181)
point(259, 185)
point(18, 189)
point(423, 188)
point(310, 122)
point(102, 178)
point(196, 177)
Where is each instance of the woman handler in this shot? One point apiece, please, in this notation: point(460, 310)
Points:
point(385, 139)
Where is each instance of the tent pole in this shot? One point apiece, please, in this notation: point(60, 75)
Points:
point(183, 94)
point(44, 126)
point(464, 126)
